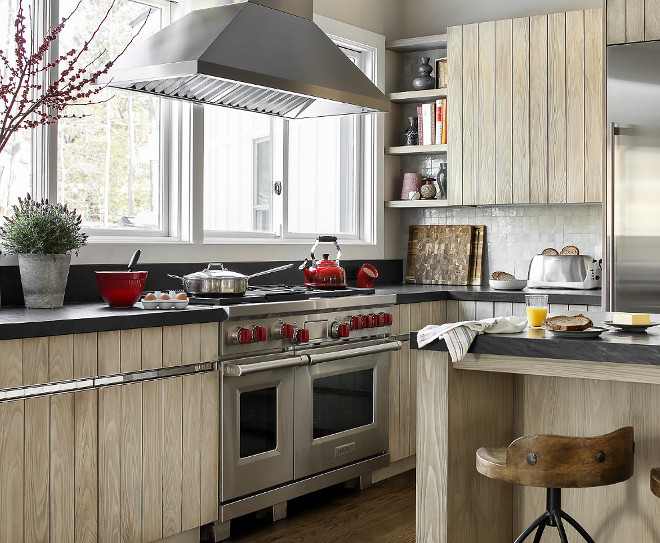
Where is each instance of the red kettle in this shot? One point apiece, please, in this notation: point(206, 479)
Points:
point(325, 273)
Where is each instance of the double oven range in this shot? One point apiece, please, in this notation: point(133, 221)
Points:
point(304, 399)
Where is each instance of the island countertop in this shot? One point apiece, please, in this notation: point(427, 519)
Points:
point(611, 346)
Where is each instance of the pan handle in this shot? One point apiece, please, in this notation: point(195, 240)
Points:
point(273, 270)
point(175, 276)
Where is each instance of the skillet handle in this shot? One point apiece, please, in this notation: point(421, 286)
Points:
point(175, 276)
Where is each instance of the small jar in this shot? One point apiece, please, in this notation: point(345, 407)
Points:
point(428, 190)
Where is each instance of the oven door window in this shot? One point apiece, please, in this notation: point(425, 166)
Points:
point(343, 402)
point(258, 421)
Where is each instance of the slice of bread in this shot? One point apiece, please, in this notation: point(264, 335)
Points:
point(549, 252)
point(570, 250)
point(566, 324)
point(502, 276)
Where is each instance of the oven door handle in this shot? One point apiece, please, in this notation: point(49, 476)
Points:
point(236, 370)
point(352, 353)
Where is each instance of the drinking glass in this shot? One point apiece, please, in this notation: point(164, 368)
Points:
point(537, 308)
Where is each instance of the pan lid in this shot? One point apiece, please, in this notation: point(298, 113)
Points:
point(215, 270)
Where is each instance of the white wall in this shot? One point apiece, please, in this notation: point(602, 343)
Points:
point(380, 16)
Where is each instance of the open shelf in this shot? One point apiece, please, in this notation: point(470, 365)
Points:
point(407, 45)
point(416, 150)
point(417, 96)
point(416, 203)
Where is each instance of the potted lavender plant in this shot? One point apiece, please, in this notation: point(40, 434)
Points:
point(43, 235)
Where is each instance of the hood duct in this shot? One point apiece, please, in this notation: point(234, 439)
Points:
point(265, 56)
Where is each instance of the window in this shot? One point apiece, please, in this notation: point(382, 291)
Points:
point(109, 163)
point(268, 177)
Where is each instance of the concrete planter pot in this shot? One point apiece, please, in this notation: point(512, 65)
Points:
point(44, 279)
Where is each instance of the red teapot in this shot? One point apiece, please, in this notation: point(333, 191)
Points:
point(325, 273)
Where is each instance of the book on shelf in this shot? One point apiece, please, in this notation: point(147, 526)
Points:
point(428, 123)
point(420, 129)
point(439, 127)
point(432, 123)
point(440, 73)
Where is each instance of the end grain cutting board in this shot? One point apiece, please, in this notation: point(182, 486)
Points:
point(439, 254)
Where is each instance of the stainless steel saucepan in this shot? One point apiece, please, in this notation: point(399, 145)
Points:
point(216, 280)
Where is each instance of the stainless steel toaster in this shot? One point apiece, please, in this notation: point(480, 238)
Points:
point(564, 271)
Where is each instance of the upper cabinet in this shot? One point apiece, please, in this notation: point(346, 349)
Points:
point(525, 124)
point(632, 20)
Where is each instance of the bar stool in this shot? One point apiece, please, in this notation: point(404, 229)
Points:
point(655, 481)
point(556, 462)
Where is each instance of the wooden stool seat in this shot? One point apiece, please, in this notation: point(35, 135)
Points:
point(555, 462)
point(655, 481)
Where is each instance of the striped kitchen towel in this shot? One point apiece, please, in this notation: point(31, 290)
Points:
point(459, 335)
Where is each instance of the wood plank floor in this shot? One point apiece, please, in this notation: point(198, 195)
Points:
point(382, 513)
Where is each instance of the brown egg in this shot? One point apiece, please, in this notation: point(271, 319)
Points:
point(150, 296)
point(164, 296)
point(181, 296)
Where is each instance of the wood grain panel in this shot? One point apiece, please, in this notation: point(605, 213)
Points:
point(466, 311)
point(152, 438)
point(504, 112)
point(455, 116)
point(404, 401)
point(484, 310)
point(37, 442)
point(210, 341)
point(394, 408)
point(470, 113)
point(61, 488)
point(192, 441)
point(503, 309)
point(651, 20)
point(172, 455)
point(85, 355)
point(131, 454)
point(12, 451)
point(575, 88)
point(538, 109)
point(520, 128)
point(616, 21)
point(419, 315)
point(634, 20)
point(557, 108)
point(130, 350)
point(191, 344)
point(109, 417)
point(487, 133)
point(594, 105)
point(172, 345)
point(86, 465)
point(209, 465)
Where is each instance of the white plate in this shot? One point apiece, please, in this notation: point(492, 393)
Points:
point(639, 328)
point(516, 284)
point(592, 332)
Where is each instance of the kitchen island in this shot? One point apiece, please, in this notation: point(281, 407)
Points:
point(517, 384)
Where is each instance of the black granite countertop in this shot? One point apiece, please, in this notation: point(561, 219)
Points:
point(408, 294)
point(611, 346)
point(19, 322)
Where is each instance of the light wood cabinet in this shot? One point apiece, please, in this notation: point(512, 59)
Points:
point(632, 20)
point(124, 463)
point(526, 121)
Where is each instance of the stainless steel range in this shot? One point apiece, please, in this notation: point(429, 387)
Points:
point(304, 399)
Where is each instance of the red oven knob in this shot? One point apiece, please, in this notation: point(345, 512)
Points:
point(367, 321)
point(340, 331)
point(387, 319)
point(302, 336)
point(379, 320)
point(355, 322)
point(243, 336)
point(259, 334)
point(287, 331)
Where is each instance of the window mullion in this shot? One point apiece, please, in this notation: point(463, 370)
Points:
point(284, 232)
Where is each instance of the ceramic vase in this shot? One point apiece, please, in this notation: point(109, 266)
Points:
point(411, 183)
point(428, 190)
point(424, 81)
point(411, 134)
point(43, 278)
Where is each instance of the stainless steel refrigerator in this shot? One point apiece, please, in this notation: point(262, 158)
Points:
point(632, 281)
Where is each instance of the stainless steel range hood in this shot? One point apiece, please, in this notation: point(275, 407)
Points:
point(265, 56)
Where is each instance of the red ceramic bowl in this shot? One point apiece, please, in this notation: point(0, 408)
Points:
point(121, 289)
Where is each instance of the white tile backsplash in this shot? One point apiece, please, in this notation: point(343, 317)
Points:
point(516, 233)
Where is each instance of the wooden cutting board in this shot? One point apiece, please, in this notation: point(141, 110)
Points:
point(439, 254)
point(476, 259)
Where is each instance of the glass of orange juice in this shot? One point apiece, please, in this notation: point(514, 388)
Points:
point(537, 308)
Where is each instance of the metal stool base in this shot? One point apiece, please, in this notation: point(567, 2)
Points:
point(553, 517)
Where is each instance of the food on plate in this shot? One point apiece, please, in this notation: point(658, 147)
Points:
point(150, 296)
point(181, 296)
point(549, 252)
point(570, 250)
point(631, 318)
point(165, 297)
point(567, 324)
point(502, 276)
